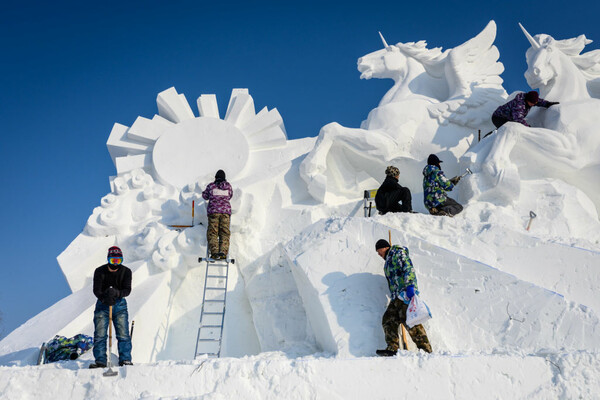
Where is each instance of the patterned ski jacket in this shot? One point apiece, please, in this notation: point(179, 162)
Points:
point(218, 195)
point(435, 186)
point(399, 272)
point(517, 109)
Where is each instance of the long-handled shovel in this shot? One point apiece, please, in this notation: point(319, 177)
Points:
point(110, 372)
point(532, 215)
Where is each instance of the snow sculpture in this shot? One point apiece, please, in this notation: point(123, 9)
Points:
point(163, 164)
point(565, 146)
point(438, 100)
point(559, 71)
point(182, 149)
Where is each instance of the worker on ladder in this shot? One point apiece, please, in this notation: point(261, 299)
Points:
point(218, 194)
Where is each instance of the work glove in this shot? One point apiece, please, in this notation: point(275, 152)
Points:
point(455, 180)
point(410, 291)
point(110, 296)
point(552, 103)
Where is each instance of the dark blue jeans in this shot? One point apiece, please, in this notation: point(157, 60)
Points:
point(121, 324)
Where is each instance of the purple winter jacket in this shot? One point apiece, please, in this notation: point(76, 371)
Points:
point(218, 195)
point(516, 110)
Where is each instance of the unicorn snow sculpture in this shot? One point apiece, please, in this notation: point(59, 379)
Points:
point(563, 142)
point(437, 102)
point(559, 71)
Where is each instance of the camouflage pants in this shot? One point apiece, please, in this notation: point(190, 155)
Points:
point(218, 233)
point(392, 318)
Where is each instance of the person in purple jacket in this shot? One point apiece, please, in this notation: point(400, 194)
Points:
point(218, 194)
point(517, 109)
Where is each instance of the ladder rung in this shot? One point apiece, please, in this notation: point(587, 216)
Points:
point(217, 276)
point(212, 313)
point(211, 326)
point(209, 340)
point(216, 288)
point(214, 301)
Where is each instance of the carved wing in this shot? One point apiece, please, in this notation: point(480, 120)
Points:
point(474, 63)
point(475, 87)
point(474, 112)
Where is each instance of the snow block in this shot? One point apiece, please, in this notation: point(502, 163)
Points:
point(234, 94)
point(207, 106)
point(241, 110)
point(264, 120)
point(148, 130)
point(173, 106)
point(119, 145)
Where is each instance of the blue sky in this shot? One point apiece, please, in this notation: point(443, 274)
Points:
point(70, 70)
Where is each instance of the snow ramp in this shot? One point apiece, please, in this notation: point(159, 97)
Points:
point(476, 307)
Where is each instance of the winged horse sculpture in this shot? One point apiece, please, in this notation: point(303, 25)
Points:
point(436, 103)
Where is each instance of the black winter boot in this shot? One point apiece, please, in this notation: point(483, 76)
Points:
point(386, 353)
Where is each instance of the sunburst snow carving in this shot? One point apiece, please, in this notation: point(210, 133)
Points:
point(179, 148)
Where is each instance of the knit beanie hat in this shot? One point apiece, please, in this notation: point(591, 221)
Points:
point(381, 244)
point(392, 171)
point(532, 97)
point(115, 252)
point(433, 160)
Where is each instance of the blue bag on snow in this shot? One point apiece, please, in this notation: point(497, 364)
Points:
point(62, 348)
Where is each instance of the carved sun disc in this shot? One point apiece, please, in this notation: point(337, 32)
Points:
point(199, 147)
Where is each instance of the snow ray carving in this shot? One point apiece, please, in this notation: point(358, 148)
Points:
point(179, 149)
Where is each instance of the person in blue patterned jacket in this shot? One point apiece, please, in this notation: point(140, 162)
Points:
point(517, 109)
point(435, 186)
point(402, 282)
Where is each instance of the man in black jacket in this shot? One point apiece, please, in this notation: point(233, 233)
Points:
point(391, 197)
point(112, 283)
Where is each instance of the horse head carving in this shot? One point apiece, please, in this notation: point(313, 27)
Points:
point(403, 63)
point(559, 71)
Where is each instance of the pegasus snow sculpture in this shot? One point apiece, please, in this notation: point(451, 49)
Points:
point(564, 142)
point(438, 100)
point(559, 71)
point(459, 80)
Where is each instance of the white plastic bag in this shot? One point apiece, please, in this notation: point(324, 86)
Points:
point(417, 312)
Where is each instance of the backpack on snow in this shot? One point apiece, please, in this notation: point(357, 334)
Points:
point(61, 348)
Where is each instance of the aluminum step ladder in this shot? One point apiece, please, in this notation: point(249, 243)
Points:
point(212, 315)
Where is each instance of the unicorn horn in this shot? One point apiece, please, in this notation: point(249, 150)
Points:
point(383, 40)
point(533, 42)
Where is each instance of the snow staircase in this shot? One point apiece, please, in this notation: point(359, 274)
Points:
point(212, 316)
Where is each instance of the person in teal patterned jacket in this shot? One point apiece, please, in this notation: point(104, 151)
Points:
point(402, 281)
point(435, 186)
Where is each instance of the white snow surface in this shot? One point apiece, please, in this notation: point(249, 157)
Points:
point(515, 311)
